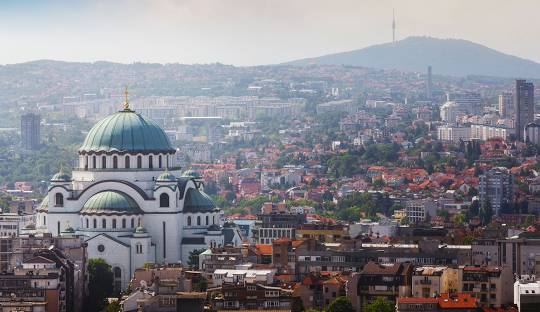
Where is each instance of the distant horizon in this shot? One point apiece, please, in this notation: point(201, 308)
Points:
point(247, 32)
point(254, 65)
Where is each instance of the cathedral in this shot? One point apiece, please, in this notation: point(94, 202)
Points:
point(128, 199)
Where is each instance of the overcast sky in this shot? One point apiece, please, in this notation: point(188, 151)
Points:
point(251, 32)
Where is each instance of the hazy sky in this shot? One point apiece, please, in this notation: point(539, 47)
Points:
point(250, 32)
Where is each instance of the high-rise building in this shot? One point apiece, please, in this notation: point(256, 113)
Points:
point(497, 187)
point(506, 105)
point(523, 106)
point(429, 83)
point(30, 131)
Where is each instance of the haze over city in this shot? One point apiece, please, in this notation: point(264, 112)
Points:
point(244, 32)
point(269, 156)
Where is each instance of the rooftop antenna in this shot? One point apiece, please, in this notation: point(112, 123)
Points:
point(393, 26)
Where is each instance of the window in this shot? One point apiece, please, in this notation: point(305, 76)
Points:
point(103, 223)
point(160, 164)
point(126, 162)
point(101, 248)
point(199, 220)
point(150, 162)
point(132, 223)
point(213, 219)
point(87, 223)
point(85, 162)
point(164, 200)
point(123, 223)
point(189, 221)
point(138, 248)
point(139, 162)
point(103, 162)
point(95, 223)
point(115, 162)
point(59, 200)
point(114, 223)
point(207, 220)
point(44, 220)
point(94, 162)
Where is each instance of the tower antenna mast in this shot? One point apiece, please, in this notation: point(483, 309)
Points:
point(393, 26)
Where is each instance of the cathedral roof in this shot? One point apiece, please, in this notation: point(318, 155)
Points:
point(127, 132)
point(198, 201)
point(191, 174)
point(111, 202)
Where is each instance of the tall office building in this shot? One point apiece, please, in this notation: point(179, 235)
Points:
point(496, 186)
point(429, 83)
point(30, 131)
point(506, 105)
point(523, 106)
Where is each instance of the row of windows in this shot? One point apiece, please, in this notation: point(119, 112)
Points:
point(199, 220)
point(114, 224)
point(127, 162)
point(163, 200)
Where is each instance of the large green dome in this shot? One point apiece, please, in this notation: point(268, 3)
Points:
point(126, 131)
point(111, 202)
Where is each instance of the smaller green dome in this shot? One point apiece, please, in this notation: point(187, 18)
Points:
point(166, 176)
point(191, 174)
point(111, 202)
point(140, 230)
point(61, 177)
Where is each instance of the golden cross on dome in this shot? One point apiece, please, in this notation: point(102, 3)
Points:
point(126, 103)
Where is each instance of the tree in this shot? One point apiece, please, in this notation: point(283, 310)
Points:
point(100, 284)
point(486, 212)
point(193, 260)
point(340, 304)
point(114, 306)
point(380, 305)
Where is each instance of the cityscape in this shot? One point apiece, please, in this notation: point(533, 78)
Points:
point(402, 176)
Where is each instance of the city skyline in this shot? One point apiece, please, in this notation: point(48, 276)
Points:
point(215, 31)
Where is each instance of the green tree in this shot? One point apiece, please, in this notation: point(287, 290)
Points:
point(112, 307)
point(486, 212)
point(100, 284)
point(340, 304)
point(193, 259)
point(380, 305)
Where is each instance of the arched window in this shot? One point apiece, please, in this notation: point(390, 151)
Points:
point(189, 221)
point(199, 220)
point(213, 219)
point(164, 200)
point(85, 162)
point(114, 223)
point(103, 162)
point(117, 272)
point(132, 222)
point(139, 162)
point(126, 160)
point(59, 200)
point(44, 220)
point(94, 162)
point(207, 220)
point(95, 223)
point(160, 163)
point(115, 162)
point(123, 223)
point(104, 223)
point(138, 248)
point(150, 162)
point(87, 223)
point(117, 286)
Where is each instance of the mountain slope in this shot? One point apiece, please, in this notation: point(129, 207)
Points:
point(452, 57)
